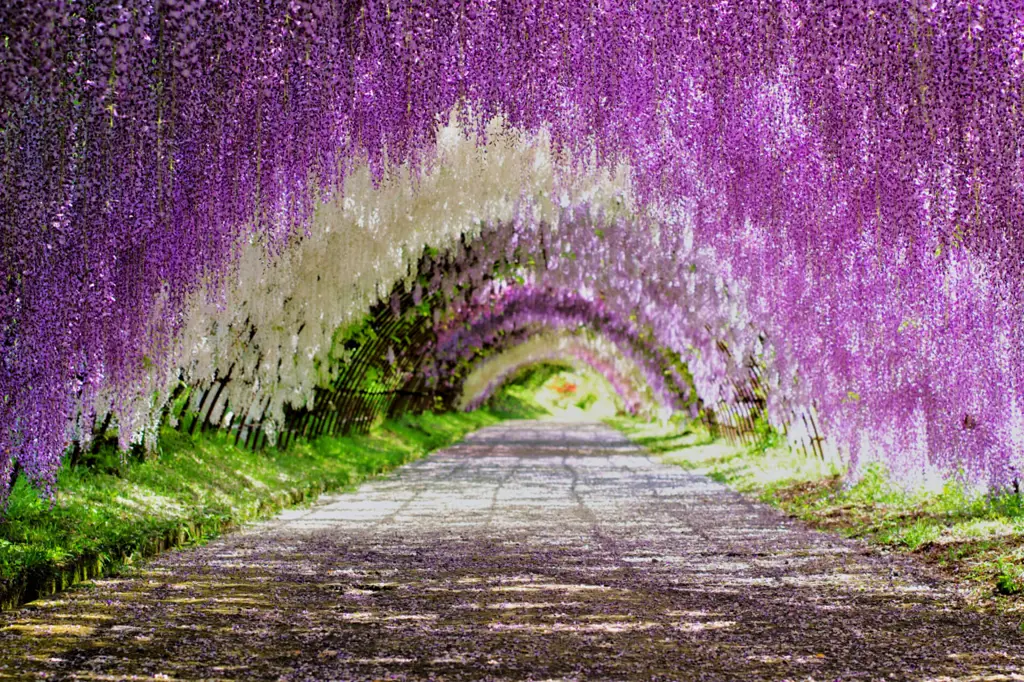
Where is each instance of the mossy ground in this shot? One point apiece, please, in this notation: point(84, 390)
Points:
point(975, 540)
point(110, 509)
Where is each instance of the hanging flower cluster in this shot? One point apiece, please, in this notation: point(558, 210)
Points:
point(846, 178)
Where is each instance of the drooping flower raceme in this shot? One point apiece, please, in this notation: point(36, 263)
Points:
point(846, 176)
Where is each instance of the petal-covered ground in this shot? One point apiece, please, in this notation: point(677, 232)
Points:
point(531, 551)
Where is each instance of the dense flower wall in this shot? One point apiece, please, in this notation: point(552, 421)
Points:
point(845, 176)
point(273, 326)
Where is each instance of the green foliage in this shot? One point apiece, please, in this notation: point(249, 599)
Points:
point(765, 435)
point(913, 536)
point(874, 487)
point(556, 388)
point(533, 377)
point(1009, 577)
point(517, 395)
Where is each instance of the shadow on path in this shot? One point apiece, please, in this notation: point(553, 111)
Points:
point(532, 550)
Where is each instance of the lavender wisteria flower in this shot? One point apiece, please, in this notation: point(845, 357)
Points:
point(840, 183)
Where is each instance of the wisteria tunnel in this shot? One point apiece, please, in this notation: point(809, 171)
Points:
point(278, 221)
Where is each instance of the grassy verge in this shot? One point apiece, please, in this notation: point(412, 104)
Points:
point(109, 513)
point(977, 541)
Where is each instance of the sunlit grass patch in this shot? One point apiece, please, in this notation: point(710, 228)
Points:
point(108, 512)
point(975, 538)
point(671, 439)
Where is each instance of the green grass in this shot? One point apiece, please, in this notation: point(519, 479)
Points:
point(108, 509)
point(977, 540)
point(1009, 578)
point(534, 391)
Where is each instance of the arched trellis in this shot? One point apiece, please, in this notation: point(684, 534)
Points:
point(383, 373)
point(404, 356)
point(400, 356)
point(477, 333)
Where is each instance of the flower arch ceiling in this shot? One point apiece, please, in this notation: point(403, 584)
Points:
point(832, 187)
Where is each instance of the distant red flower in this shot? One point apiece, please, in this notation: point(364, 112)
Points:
point(565, 387)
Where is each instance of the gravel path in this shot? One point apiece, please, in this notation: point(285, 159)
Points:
point(532, 550)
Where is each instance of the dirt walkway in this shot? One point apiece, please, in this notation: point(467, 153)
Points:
point(530, 551)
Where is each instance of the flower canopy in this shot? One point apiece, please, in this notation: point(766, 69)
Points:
point(834, 188)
